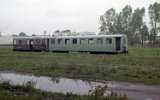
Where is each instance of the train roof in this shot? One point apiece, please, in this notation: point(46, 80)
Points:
point(88, 36)
point(31, 37)
point(91, 36)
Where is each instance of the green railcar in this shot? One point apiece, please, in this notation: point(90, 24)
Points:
point(94, 44)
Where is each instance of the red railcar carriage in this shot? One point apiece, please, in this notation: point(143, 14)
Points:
point(30, 44)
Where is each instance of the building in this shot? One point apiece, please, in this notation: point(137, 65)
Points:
point(6, 40)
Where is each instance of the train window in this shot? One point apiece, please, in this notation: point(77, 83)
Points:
point(59, 41)
point(100, 41)
point(90, 41)
point(53, 41)
point(108, 40)
point(74, 41)
point(31, 42)
point(20, 41)
point(27, 41)
point(37, 41)
point(66, 41)
point(43, 41)
point(82, 41)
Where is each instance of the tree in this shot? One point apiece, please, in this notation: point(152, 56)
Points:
point(151, 35)
point(118, 24)
point(66, 31)
point(108, 21)
point(112, 22)
point(144, 33)
point(126, 16)
point(57, 31)
point(136, 24)
point(22, 34)
point(103, 26)
point(154, 14)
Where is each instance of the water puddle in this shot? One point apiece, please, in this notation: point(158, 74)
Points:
point(51, 84)
point(136, 91)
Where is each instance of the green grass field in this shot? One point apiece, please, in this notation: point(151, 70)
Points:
point(140, 65)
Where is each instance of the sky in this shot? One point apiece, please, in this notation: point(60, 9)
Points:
point(37, 16)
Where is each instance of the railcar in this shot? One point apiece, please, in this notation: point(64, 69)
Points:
point(30, 44)
point(92, 44)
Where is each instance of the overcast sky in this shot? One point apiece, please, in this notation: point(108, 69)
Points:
point(35, 16)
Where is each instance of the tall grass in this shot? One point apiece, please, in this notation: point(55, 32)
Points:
point(142, 64)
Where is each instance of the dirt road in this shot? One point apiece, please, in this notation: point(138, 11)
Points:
point(136, 91)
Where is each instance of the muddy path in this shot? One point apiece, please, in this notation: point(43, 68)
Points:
point(135, 91)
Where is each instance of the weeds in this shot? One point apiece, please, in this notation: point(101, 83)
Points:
point(5, 84)
point(99, 94)
point(53, 66)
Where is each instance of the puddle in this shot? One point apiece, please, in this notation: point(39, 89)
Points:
point(136, 91)
point(62, 85)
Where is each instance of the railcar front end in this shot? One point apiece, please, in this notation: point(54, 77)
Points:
point(29, 44)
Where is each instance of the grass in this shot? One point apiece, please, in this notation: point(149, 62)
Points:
point(142, 64)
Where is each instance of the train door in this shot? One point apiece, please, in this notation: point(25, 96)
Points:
point(47, 44)
point(118, 43)
point(31, 44)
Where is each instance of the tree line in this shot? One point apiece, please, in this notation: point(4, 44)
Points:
point(131, 23)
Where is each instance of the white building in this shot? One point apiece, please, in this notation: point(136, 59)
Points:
point(6, 40)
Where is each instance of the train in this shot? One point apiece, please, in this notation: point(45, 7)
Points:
point(116, 43)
